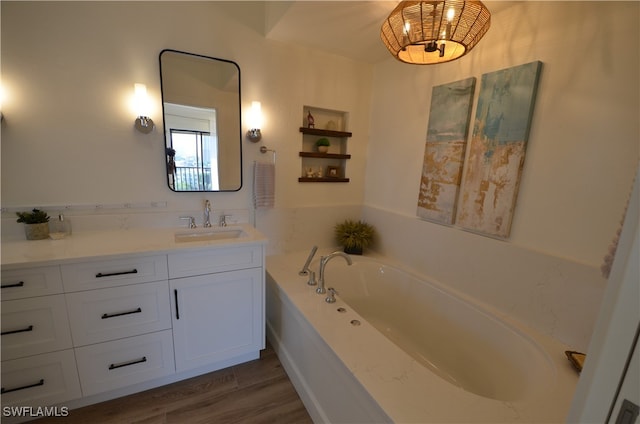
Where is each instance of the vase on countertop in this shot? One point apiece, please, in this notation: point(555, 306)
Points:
point(36, 231)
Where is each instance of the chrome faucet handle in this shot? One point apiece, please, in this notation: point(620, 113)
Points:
point(331, 297)
point(305, 268)
point(312, 278)
point(192, 221)
point(223, 219)
point(207, 213)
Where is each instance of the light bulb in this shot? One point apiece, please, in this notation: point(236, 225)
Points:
point(255, 118)
point(450, 14)
point(141, 100)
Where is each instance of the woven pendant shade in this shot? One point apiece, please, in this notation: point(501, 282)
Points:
point(429, 32)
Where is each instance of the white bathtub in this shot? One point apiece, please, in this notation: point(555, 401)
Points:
point(418, 354)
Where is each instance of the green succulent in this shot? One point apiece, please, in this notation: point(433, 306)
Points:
point(36, 216)
point(354, 234)
point(323, 142)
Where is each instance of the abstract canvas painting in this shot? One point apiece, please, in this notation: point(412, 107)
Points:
point(444, 150)
point(497, 149)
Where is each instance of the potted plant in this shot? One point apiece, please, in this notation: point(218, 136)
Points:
point(36, 224)
point(354, 235)
point(323, 145)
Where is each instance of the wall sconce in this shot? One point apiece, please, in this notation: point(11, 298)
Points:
point(255, 122)
point(2, 96)
point(144, 124)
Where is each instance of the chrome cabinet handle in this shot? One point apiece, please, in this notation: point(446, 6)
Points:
point(119, 314)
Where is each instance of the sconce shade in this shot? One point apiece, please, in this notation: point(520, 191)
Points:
point(143, 123)
point(430, 32)
point(255, 122)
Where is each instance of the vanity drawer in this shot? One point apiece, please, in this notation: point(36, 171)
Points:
point(30, 282)
point(40, 380)
point(107, 366)
point(35, 325)
point(110, 273)
point(186, 264)
point(107, 314)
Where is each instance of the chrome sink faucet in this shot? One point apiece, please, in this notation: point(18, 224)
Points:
point(207, 213)
point(323, 263)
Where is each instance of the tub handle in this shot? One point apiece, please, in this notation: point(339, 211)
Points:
point(312, 278)
point(331, 295)
point(305, 268)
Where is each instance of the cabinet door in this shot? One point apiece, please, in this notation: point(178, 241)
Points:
point(103, 274)
point(121, 363)
point(35, 325)
point(217, 316)
point(101, 315)
point(40, 380)
point(30, 282)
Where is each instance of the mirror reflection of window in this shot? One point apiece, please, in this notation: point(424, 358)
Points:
point(192, 134)
point(201, 94)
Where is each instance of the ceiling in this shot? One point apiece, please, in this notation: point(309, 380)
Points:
point(343, 27)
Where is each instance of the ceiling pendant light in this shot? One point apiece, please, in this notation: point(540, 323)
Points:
point(429, 32)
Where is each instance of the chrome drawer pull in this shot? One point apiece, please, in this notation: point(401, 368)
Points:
point(126, 364)
point(39, 383)
point(119, 314)
point(22, 330)
point(113, 274)
point(8, 286)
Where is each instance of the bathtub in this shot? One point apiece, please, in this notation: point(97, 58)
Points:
point(397, 348)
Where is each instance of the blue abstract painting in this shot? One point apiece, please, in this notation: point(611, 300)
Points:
point(497, 149)
point(444, 150)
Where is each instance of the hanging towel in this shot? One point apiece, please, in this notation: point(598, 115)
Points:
point(264, 185)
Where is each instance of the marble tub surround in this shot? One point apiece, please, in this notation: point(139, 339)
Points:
point(557, 296)
point(95, 244)
point(404, 390)
point(295, 229)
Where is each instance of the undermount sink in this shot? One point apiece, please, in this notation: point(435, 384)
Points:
point(208, 234)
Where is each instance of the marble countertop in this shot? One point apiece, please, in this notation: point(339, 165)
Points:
point(91, 245)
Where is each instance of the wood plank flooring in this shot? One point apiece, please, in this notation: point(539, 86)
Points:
point(254, 392)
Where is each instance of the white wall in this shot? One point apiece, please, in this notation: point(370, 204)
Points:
point(584, 141)
point(581, 159)
point(69, 69)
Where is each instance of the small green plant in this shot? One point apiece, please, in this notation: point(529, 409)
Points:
point(36, 216)
point(354, 235)
point(323, 142)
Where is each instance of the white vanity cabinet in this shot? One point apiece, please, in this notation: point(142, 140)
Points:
point(38, 361)
point(217, 301)
point(120, 321)
point(83, 323)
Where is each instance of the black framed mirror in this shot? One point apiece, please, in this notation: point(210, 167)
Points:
point(202, 124)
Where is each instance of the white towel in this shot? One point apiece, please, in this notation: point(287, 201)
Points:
point(264, 185)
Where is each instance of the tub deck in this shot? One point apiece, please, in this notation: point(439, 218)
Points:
point(403, 390)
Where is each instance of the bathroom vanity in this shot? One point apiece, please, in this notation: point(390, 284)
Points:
point(105, 314)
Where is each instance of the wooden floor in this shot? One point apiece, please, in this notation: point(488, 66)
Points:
point(254, 392)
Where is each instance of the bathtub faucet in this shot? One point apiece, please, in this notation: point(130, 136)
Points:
point(323, 263)
point(305, 268)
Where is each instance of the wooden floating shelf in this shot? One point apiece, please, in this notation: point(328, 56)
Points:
point(324, 155)
point(323, 180)
point(326, 133)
